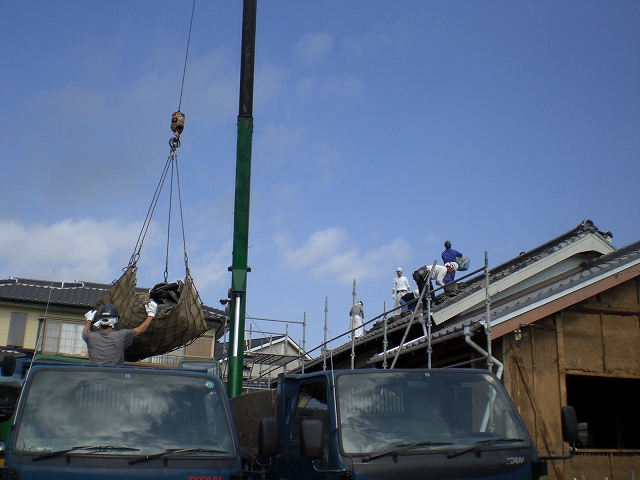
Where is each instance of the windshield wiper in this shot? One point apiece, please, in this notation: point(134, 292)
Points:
point(403, 448)
point(169, 451)
point(480, 444)
point(92, 448)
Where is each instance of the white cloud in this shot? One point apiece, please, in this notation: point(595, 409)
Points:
point(67, 250)
point(269, 82)
point(328, 254)
point(210, 273)
point(313, 48)
point(97, 251)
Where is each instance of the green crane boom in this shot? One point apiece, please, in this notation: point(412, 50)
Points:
point(239, 266)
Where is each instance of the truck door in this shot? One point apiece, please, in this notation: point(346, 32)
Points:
point(310, 403)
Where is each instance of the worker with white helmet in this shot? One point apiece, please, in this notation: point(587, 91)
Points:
point(400, 287)
point(439, 274)
point(106, 345)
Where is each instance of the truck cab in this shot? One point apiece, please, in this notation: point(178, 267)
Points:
point(402, 424)
point(83, 421)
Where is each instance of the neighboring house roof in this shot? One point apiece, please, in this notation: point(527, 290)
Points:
point(72, 295)
point(262, 351)
point(265, 350)
point(79, 295)
point(512, 279)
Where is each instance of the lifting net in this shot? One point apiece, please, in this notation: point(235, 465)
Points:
point(175, 324)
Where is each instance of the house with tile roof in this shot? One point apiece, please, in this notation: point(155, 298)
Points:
point(266, 355)
point(563, 329)
point(48, 317)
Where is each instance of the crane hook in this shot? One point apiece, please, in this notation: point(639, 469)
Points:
point(177, 122)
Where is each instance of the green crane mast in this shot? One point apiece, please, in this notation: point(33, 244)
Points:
point(239, 266)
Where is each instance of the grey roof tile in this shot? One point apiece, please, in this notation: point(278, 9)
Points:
point(73, 295)
point(475, 282)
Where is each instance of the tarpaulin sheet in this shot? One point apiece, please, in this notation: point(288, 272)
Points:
point(174, 326)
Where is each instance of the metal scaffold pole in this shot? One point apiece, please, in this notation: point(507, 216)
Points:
point(385, 341)
point(239, 266)
point(353, 330)
point(304, 341)
point(324, 344)
point(487, 325)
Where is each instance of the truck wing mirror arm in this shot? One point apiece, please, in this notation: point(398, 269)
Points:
point(344, 472)
point(312, 446)
point(569, 432)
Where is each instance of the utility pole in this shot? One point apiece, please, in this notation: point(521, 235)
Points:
point(239, 266)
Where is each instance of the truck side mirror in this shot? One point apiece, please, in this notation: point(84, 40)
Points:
point(569, 435)
point(569, 425)
point(311, 439)
point(8, 365)
point(268, 437)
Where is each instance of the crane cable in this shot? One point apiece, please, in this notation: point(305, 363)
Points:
point(177, 127)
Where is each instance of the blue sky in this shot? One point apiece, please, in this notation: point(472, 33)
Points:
point(381, 130)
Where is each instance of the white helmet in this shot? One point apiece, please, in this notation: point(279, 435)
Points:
point(398, 269)
point(452, 265)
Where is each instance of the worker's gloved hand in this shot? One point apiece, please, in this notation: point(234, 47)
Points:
point(90, 315)
point(151, 308)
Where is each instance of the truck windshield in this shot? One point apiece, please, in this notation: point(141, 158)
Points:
point(435, 410)
point(137, 411)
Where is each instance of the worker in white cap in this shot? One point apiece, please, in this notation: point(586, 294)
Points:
point(400, 287)
point(439, 273)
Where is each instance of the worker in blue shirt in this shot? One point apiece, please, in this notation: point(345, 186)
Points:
point(449, 255)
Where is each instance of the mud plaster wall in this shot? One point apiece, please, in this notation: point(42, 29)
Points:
point(590, 338)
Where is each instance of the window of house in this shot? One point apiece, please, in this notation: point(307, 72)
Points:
point(63, 337)
point(607, 411)
point(17, 327)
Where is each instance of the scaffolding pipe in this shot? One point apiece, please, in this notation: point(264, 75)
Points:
point(427, 287)
point(385, 341)
point(405, 348)
point(304, 341)
point(428, 320)
point(324, 344)
point(487, 325)
point(479, 349)
point(353, 330)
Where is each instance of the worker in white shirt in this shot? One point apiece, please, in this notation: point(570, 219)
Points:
point(400, 287)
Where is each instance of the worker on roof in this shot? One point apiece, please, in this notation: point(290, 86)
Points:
point(106, 346)
point(407, 301)
point(439, 273)
point(357, 319)
point(400, 287)
point(449, 255)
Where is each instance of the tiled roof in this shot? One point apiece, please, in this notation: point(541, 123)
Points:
point(474, 284)
point(598, 269)
point(76, 294)
point(73, 295)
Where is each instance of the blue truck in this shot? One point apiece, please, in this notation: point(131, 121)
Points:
point(368, 424)
point(83, 421)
